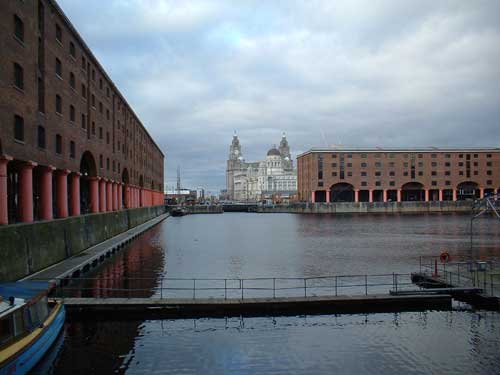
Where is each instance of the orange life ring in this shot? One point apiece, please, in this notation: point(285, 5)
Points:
point(444, 257)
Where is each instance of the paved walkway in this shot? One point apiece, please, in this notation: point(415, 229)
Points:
point(91, 257)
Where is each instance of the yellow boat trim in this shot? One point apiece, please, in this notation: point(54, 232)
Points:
point(17, 347)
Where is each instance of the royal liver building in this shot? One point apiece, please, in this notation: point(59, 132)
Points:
point(268, 178)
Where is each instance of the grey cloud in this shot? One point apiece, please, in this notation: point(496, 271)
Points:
point(359, 73)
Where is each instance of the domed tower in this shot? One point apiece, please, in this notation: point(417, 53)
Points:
point(285, 153)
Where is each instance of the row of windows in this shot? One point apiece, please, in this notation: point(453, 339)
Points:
point(393, 173)
point(406, 164)
point(41, 142)
point(393, 155)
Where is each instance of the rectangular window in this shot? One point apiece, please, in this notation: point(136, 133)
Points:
point(18, 28)
point(334, 165)
point(320, 183)
point(433, 173)
point(100, 83)
point(392, 173)
point(363, 183)
point(392, 164)
point(334, 156)
point(93, 128)
point(320, 175)
point(489, 173)
point(107, 117)
point(489, 163)
point(364, 156)
point(363, 165)
point(58, 33)
point(349, 165)
point(72, 150)
point(447, 156)
point(93, 77)
point(448, 183)
point(378, 173)
point(433, 156)
point(420, 173)
point(363, 174)
point(93, 100)
point(58, 144)
point(41, 136)
point(58, 68)
point(100, 107)
point(447, 164)
point(72, 49)
point(434, 183)
point(84, 91)
point(489, 182)
point(392, 183)
point(83, 63)
point(100, 133)
point(58, 104)
point(18, 128)
point(101, 165)
point(349, 174)
point(84, 123)
point(107, 164)
point(488, 155)
point(433, 164)
point(447, 173)
point(377, 183)
point(107, 138)
point(18, 76)
point(72, 115)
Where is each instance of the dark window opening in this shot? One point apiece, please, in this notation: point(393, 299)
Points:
point(58, 67)
point(18, 76)
point(72, 115)
point(58, 144)
point(41, 136)
point(18, 128)
point(58, 104)
point(72, 49)
point(18, 28)
point(72, 150)
point(72, 81)
point(58, 33)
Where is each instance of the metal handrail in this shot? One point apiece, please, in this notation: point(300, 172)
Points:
point(303, 284)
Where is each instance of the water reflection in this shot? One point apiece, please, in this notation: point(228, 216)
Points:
point(420, 343)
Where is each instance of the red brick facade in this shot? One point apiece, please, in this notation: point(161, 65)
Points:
point(381, 175)
point(64, 124)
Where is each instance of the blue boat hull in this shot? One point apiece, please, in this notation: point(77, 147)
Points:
point(29, 357)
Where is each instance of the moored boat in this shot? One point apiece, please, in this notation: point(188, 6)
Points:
point(29, 325)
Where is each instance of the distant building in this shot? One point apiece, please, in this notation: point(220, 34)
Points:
point(274, 176)
point(182, 196)
point(381, 175)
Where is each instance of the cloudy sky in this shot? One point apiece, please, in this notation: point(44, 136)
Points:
point(351, 73)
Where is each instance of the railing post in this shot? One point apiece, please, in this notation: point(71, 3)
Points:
point(396, 280)
point(161, 288)
point(242, 289)
point(225, 288)
point(194, 288)
point(305, 288)
point(274, 287)
point(336, 285)
point(393, 282)
point(366, 285)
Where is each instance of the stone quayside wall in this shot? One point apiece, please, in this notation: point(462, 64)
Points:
point(374, 207)
point(28, 248)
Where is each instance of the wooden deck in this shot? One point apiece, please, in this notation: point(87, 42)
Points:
point(118, 308)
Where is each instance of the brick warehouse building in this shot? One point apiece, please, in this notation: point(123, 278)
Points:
point(69, 142)
point(382, 175)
